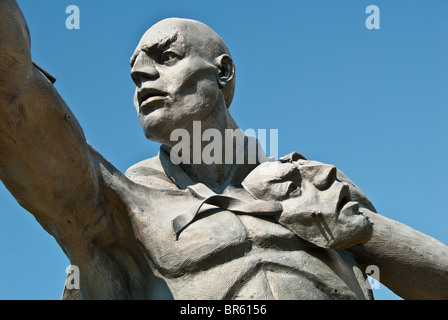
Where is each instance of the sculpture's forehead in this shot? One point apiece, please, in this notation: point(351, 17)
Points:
point(170, 30)
point(160, 36)
point(185, 34)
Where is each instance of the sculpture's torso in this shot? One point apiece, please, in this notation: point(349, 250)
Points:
point(227, 256)
point(222, 255)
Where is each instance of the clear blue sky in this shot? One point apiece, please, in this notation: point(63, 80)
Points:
point(371, 102)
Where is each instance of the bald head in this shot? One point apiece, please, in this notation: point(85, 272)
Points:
point(197, 37)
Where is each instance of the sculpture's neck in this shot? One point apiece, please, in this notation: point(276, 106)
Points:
point(217, 154)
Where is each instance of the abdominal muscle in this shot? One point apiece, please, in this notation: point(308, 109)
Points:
point(270, 274)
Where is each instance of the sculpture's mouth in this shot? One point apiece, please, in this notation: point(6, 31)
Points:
point(147, 96)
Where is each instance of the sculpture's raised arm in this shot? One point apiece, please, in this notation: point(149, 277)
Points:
point(45, 161)
point(15, 63)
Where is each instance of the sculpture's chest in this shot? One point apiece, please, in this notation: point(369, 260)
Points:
point(224, 255)
point(215, 235)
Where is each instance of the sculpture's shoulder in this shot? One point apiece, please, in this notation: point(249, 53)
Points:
point(149, 173)
point(145, 166)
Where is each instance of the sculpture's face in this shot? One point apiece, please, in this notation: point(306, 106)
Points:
point(175, 83)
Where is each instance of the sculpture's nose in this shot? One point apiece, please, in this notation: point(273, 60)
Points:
point(143, 69)
point(320, 175)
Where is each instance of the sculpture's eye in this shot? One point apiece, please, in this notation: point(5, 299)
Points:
point(169, 57)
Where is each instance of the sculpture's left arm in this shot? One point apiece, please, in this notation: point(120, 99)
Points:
point(411, 264)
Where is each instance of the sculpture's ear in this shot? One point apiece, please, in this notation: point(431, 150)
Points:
point(226, 70)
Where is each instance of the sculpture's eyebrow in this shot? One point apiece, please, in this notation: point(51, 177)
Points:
point(161, 44)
